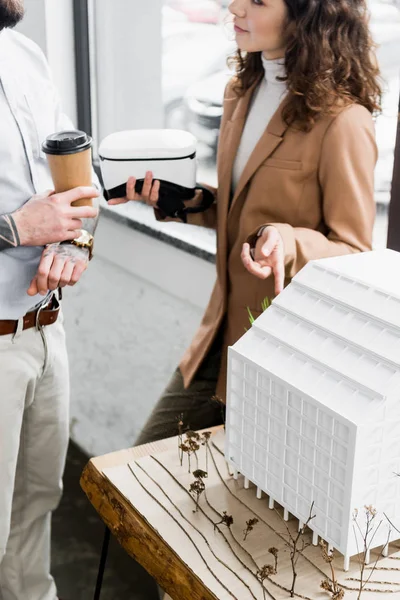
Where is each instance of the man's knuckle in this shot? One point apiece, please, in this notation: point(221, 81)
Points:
point(56, 199)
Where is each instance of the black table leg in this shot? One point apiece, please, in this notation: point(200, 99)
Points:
point(102, 565)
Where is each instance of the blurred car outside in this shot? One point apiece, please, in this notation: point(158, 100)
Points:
point(191, 52)
point(203, 108)
point(383, 10)
point(198, 11)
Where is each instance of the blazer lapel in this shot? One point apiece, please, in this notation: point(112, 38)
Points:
point(231, 132)
point(269, 141)
point(229, 143)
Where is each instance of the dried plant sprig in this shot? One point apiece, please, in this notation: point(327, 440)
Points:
point(367, 536)
point(196, 489)
point(226, 520)
point(295, 548)
point(192, 435)
point(337, 593)
point(267, 570)
point(249, 527)
point(327, 556)
point(275, 552)
point(200, 474)
point(180, 437)
point(191, 445)
point(205, 438)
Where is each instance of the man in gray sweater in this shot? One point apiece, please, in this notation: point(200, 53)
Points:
point(37, 256)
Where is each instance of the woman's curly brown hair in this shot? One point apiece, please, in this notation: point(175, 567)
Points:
point(330, 61)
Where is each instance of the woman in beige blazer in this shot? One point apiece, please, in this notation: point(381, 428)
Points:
point(295, 176)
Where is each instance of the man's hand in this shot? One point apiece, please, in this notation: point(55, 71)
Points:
point(59, 266)
point(269, 257)
point(49, 218)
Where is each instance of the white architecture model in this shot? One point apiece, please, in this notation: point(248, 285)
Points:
point(314, 397)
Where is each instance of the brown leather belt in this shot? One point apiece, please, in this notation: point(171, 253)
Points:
point(46, 315)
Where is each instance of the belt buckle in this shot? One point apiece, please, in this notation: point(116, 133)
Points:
point(37, 318)
point(53, 305)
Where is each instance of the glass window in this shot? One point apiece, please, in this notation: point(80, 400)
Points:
point(197, 41)
point(196, 45)
point(385, 26)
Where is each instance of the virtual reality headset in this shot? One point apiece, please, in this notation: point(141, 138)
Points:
point(170, 154)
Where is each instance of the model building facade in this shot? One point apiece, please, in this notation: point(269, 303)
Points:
point(314, 396)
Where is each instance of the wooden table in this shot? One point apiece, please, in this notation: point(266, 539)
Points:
point(133, 532)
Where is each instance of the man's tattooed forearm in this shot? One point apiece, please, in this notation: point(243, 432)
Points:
point(9, 237)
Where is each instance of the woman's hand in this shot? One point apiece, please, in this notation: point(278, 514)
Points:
point(269, 257)
point(149, 192)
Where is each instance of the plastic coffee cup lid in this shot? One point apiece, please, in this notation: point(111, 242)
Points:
point(67, 142)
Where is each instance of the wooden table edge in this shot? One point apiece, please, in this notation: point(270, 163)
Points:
point(135, 534)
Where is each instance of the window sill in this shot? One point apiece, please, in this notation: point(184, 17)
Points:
point(197, 241)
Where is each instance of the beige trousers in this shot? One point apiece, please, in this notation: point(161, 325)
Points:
point(34, 396)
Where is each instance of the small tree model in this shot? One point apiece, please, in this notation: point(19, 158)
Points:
point(367, 536)
point(205, 438)
point(198, 486)
point(190, 445)
point(249, 527)
point(337, 593)
point(226, 520)
point(296, 545)
point(267, 570)
point(180, 438)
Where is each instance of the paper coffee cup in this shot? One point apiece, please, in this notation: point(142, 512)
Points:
point(69, 154)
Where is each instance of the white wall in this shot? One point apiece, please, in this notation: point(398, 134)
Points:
point(128, 55)
point(61, 52)
point(49, 23)
point(34, 22)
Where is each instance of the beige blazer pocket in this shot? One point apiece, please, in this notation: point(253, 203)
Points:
point(279, 163)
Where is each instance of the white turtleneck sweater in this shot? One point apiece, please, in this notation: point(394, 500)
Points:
point(264, 104)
